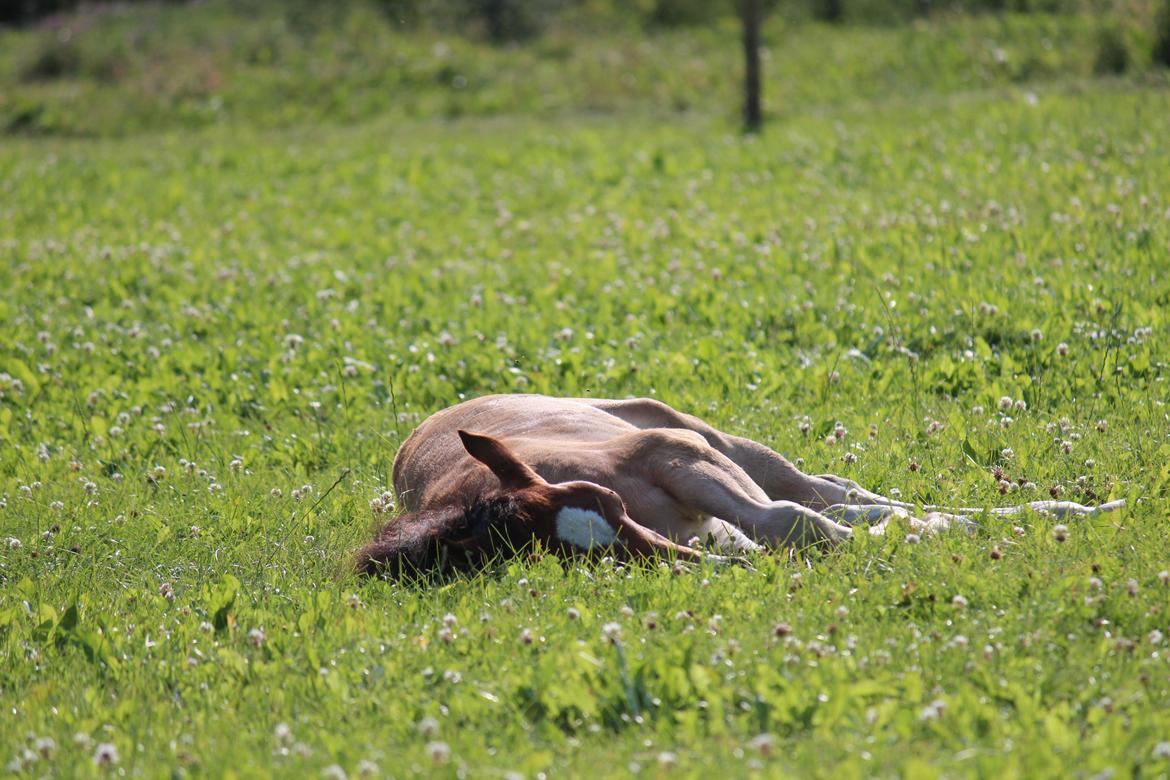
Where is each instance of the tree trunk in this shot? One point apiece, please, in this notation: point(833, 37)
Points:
point(750, 12)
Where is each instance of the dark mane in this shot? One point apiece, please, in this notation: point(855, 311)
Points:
point(460, 538)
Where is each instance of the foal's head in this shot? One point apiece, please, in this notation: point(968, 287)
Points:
point(575, 517)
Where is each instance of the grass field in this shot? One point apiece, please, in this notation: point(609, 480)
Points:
point(214, 339)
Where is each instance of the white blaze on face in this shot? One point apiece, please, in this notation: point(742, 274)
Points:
point(584, 528)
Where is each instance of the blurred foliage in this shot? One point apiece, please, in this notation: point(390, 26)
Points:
point(122, 69)
point(517, 20)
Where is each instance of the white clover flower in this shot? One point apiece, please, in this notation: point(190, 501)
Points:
point(932, 711)
point(428, 727)
point(256, 637)
point(611, 633)
point(439, 752)
point(106, 754)
point(764, 743)
point(45, 747)
point(333, 772)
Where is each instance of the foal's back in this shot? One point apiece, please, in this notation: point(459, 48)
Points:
point(558, 437)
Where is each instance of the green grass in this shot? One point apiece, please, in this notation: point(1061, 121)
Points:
point(199, 323)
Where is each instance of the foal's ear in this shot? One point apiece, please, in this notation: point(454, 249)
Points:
point(512, 473)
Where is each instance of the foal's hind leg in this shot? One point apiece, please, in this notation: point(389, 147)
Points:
point(772, 472)
point(703, 481)
point(837, 497)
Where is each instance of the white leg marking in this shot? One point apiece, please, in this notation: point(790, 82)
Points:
point(727, 537)
point(584, 528)
point(851, 514)
point(1054, 508)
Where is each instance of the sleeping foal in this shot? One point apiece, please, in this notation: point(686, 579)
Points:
point(632, 477)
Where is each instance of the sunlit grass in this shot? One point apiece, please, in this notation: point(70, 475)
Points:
point(214, 343)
